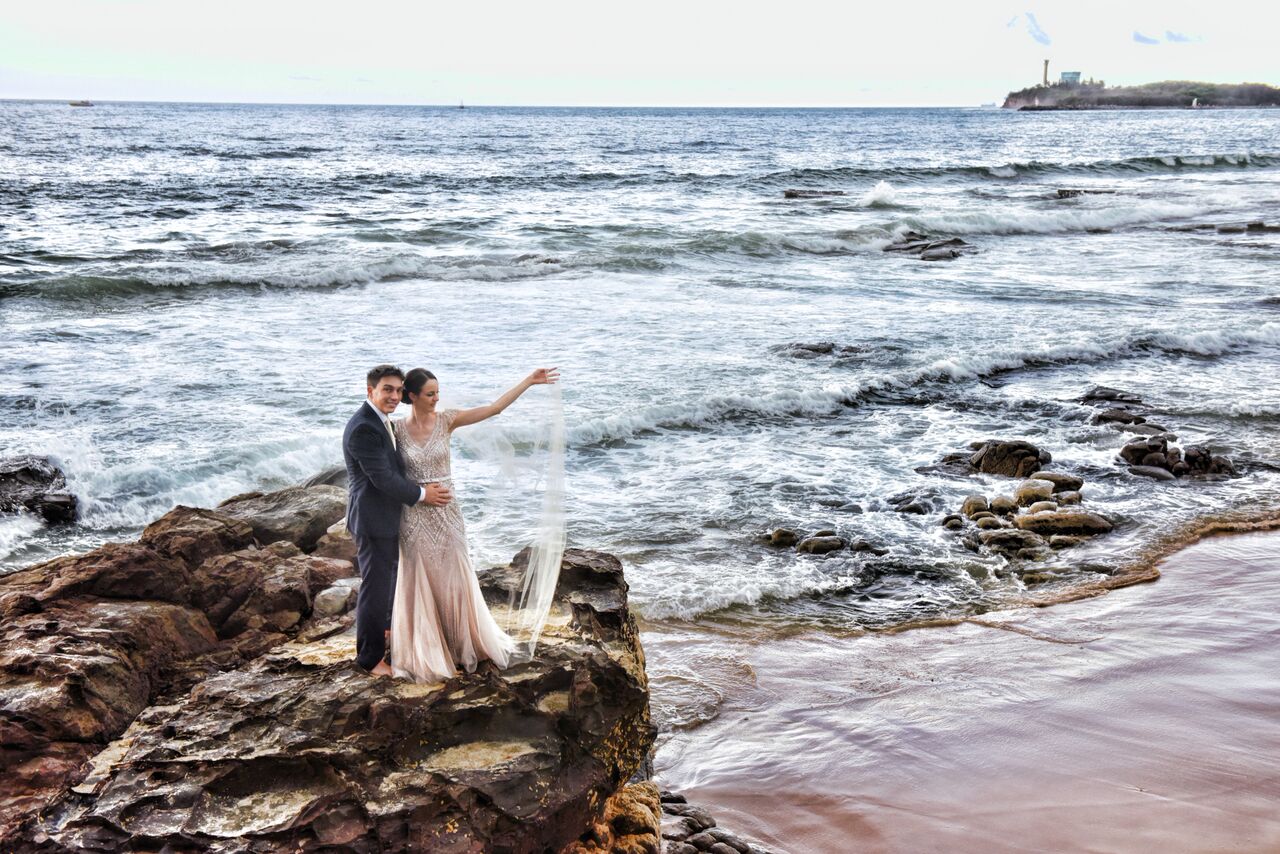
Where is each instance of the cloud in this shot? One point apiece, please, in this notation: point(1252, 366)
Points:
point(1141, 39)
point(304, 78)
point(1034, 29)
point(1178, 38)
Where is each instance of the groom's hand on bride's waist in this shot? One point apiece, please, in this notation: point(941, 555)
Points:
point(436, 494)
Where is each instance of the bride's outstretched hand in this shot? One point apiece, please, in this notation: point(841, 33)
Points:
point(544, 376)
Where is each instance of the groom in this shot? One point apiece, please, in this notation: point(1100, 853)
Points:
point(377, 488)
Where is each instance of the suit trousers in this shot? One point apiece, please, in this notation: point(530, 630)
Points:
point(377, 558)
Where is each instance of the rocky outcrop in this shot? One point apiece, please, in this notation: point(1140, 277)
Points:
point(1042, 514)
point(36, 485)
point(182, 693)
point(1155, 456)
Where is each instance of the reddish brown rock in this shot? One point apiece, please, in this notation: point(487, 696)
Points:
point(194, 534)
point(301, 751)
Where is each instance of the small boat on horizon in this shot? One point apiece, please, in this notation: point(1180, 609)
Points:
point(80, 103)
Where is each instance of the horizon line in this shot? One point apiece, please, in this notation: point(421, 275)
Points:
point(462, 105)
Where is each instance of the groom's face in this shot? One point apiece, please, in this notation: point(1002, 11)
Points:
point(385, 396)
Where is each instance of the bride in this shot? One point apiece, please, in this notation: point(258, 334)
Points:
point(439, 619)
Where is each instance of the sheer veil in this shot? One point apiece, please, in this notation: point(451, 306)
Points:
point(529, 494)
point(531, 604)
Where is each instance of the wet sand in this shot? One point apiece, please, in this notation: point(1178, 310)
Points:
point(1147, 719)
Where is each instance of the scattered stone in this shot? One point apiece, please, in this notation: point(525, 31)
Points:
point(1043, 507)
point(939, 254)
point(1011, 540)
point(334, 600)
point(1134, 452)
point(1064, 522)
point(1009, 458)
point(667, 796)
point(1071, 193)
point(1148, 429)
point(1064, 541)
point(973, 505)
point(1003, 505)
point(783, 538)
point(1105, 394)
point(1152, 472)
point(985, 514)
point(678, 828)
point(697, 815)
point(1061, 482)
point(914, 508)
point(1118, 416)
point(954, 522)
point(36, 485)
point(864, 546)
point(337, 543)
point(825, 532)
point(724, 837)
point(927, 248)
point(990, 523)
point(1031, 491)
point(1155, 459)
point(1068, 498)
point(820, 545)
point(1221, 465)
point(810, 194)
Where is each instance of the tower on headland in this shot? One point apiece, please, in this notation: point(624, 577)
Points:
point(1046, 72)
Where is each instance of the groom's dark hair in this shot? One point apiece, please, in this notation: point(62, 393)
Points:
point(376, 375)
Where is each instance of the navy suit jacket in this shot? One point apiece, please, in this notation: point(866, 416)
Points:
point(376, 485)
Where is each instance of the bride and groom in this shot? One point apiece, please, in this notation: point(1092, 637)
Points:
point(417, 586)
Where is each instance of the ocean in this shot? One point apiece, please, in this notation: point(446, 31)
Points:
point(190, 296)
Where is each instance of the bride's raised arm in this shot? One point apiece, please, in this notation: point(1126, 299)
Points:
point(542, 376)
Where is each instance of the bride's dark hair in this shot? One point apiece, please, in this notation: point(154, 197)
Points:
point(414, 381)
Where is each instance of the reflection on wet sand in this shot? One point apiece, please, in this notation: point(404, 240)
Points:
point(1142, 720)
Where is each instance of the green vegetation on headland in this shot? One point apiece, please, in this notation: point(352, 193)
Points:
point(1169, 93)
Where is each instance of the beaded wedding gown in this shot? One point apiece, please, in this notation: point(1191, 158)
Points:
point(439, 620)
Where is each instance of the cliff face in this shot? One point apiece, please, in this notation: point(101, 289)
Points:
point(181, 692)
point(1169, 93)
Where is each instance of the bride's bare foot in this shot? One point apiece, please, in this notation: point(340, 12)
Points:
point(382, 669)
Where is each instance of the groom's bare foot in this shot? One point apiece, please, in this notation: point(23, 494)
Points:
point(382, 669)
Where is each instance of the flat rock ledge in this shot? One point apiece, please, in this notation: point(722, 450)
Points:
point(180, 693)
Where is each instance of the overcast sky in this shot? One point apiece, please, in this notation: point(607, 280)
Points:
point(657, 52)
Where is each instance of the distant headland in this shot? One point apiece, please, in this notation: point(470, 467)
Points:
point(1074, 94)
